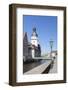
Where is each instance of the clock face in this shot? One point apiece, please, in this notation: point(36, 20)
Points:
point(35, 43)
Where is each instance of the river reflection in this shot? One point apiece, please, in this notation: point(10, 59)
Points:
point(31, 65)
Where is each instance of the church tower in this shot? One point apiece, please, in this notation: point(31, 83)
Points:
point(34, 42)
point(34, 38)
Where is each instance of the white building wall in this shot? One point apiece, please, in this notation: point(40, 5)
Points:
point(33, 53)
point(34, 40)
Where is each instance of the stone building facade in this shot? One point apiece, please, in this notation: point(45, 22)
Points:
point(31, 49)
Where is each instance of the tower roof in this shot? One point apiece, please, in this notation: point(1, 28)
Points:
point(34, 33)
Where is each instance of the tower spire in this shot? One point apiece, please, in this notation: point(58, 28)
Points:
point(34, 33)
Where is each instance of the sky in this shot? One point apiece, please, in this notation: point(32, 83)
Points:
point(46, 28)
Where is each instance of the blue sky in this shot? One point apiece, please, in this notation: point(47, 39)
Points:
point(46, 28)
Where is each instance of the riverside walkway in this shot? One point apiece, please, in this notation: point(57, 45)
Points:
point(41, 65)
point(40, 68)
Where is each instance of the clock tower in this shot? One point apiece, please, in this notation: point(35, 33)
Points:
point(34, 38)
